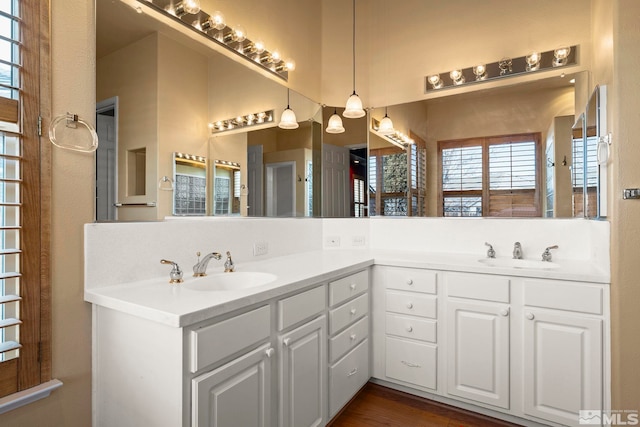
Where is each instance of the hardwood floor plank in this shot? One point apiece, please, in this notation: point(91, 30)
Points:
point(378, 406)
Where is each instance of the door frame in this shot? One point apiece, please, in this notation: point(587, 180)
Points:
point(102, 106)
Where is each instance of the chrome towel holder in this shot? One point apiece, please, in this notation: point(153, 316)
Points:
point(72, 121)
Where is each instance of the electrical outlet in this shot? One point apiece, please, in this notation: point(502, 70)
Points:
point(358, 240)
point(331, 241)
point(260, 248)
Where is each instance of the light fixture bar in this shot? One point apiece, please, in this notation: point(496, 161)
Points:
point(506, 67)
point(396, 138)
point(248, 120)
point(232, 39)
point(191, 158)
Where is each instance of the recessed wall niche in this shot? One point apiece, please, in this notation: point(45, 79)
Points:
point(136, 172)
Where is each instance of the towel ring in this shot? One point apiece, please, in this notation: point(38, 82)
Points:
point(72, 121)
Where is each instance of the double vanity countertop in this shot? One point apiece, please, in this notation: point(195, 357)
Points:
point(180, 305)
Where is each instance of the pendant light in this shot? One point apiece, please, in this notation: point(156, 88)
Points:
point(354, 109)
point(335, 123)
point(288, 119)
point(386, 125)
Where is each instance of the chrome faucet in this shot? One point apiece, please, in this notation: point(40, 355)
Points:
point(546, 255)
point(229, 266)
point(200, 269)
point(175, 275)
point(490, 252)
point(517, 250)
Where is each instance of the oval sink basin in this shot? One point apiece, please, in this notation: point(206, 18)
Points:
point(229, 281)
point(518, 263)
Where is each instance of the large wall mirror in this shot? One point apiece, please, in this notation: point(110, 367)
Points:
point(158, 106)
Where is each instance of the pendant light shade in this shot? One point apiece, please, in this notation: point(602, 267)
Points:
point(335, 123)
point(386, 125)
point(288, 119)
point(354, 108)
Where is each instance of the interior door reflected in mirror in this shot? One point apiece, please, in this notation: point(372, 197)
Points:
point(190, 184)
point(227, 188)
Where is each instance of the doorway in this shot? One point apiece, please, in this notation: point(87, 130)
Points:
point(106, 160)
point(281, 190)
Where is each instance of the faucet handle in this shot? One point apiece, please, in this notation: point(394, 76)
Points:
point(175, 274)
point(490, 252)
point(546, 255)
point(229, 266)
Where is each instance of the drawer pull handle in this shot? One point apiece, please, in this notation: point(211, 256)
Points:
point(352, 337)
point(286, 342)
point(353, 311)
point(411, 365)
point(352, 286)
point(409, 305)
point(409, 282)
point(353, 372)
point(269, 352)
point(504, 312)
point(409, 328)
point(530, 316)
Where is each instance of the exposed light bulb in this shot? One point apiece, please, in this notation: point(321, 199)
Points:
point(435, 81)
point(259, 46)
point(457, 77)
point(533, 61)
point(191, 6)
point(290, 64)
point(239, 33)
point(218, 21)
point(480, 71)
point(275, 56)
point(561, 56)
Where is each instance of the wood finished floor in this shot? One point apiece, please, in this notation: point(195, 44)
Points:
point(378, 406)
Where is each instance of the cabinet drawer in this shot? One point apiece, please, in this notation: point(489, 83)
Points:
point(411, 362)
point(411, 303)
point(478, 286)
point(215, 342)
point(347, 339)
point(345, 314)
point(411, 327)
point(411, 279)
point(347, 377)
point(564, 296)
point(300, 307)
point(347, 287)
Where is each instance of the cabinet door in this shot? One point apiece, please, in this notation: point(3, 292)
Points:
point(236, 394)
point(562, 365)
point(478, 347)
point(303, 387)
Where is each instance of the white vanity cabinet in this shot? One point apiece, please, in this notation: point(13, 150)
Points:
point(348, 342)
point(563, 340)
point(477, 333)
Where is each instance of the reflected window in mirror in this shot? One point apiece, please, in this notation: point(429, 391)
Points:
point(491, 176)
point(227, 188)
point(190, 188)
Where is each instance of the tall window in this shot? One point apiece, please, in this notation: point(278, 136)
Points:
point(494, 176)
point(24, 212)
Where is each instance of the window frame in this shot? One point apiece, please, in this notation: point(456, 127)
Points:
point(485, 192)
point(33, 365)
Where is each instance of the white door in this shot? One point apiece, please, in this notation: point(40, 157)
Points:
point(303, 390)
point(281, 190)
point(562, 365)
point(335, 181)
point(236, 394)
point(254, 180)
point(478, 347)
point(106, 160)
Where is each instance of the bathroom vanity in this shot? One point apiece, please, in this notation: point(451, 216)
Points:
point(529, 345)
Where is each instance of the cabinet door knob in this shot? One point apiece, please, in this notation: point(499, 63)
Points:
point(409, 305)
point(409, 328)
point(504, 312)
point(352, 337)
point(286, 342)
point(352, 286)
point(409, 282)
point(530, 316)
point(353, 311)
point(269, 352)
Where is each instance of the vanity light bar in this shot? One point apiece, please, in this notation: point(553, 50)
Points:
point(507, 67)
point(234, 165)
point(252, 119)
point(190, 157)
point(396, 138)
point(234, 39)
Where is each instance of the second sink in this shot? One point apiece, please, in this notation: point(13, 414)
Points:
point(518, 263)
point(230, 281)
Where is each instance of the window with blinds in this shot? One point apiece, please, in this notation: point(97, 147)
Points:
point(494, 176)
point(24, 213)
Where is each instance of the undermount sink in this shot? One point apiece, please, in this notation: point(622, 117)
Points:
point(518, 263)
point(229, 281)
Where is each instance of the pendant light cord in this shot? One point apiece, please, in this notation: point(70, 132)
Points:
point(354, 47)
